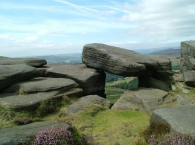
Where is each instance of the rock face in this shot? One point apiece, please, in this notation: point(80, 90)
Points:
point(86, 101)
point(124, 62)
point(21, 134)
point(117, 60)
point(28, 101)
point(143, 99)
point(90, 80)
point(11, 74)
point(35, 62)
point(187, 62)
point(180, 119)
point(42, 85)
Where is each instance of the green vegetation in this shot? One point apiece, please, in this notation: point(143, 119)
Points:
point(107, 126)
point(127, 83)
point(113, 94)
point(112, 77)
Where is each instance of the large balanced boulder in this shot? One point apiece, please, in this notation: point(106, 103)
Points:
point(117, 60)
point(42, 84)
point(35, 62)
point(143, 99)
point(85, 102)
point(22, 134)
point(10, 74)
point(90, 80)
point(180, 119)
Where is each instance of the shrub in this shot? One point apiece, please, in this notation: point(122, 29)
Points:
point(54, 136)
point(23, 121)
point(173, 138)
point(156, 129)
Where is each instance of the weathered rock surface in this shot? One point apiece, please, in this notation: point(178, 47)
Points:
point(189, 78)
point(35, 62)
point(32, 101)
point(10, 74)
point(187, 62)
point(180, 119)
point(143, 99)
point(90, 80)
point(164, 71)
point(178, 76)
point(86, 101)
point(116, 60)
point(42, 84)
point(21, 134)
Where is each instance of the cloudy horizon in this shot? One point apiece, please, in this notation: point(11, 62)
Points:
point(49, 27)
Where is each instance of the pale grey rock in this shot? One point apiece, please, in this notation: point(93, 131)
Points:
point(189, 78)
point(180, 119)
point(117, 60)
point(143, 99)
point(87, 101)
point(19, 135)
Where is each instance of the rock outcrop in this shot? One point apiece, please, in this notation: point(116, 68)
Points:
point(143, 99)
point(90, 80)
point(124, 62)
point(11, 74)
point(21, 134)
point(35, 62)
point(180, 119)
point(187, 62)
point(117, 60)
point(87, 101)
point(42, 84)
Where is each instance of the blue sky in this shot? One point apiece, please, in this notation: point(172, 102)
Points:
point(44, 27)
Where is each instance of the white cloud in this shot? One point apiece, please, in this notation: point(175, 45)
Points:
point(164, 19)
point(4, 37)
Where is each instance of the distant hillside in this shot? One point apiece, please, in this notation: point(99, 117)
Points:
point(74, 58)
point(169, 51)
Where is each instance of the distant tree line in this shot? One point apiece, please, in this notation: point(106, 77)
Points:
point(112, 77)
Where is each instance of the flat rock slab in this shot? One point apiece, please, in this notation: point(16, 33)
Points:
point(42, 84)
point(87, 101)
point(35, 62)
point(116, 60)
point(90, 80)
point(10, 74)
point(21, 134)
point(143, 99)
point(180, 119)
point(22, 102)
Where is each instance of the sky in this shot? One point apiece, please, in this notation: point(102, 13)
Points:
point(48, 27)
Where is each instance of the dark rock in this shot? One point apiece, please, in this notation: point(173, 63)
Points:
point(40, 72)
point(87, 101)
point(42, 85)
point(116, 60)
point(150, 82)
point(74, 92)
point(143, 99)
point(21, 134)
point(11, 74)
point(35, 62)
point(90, 80)
point(180, 119)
